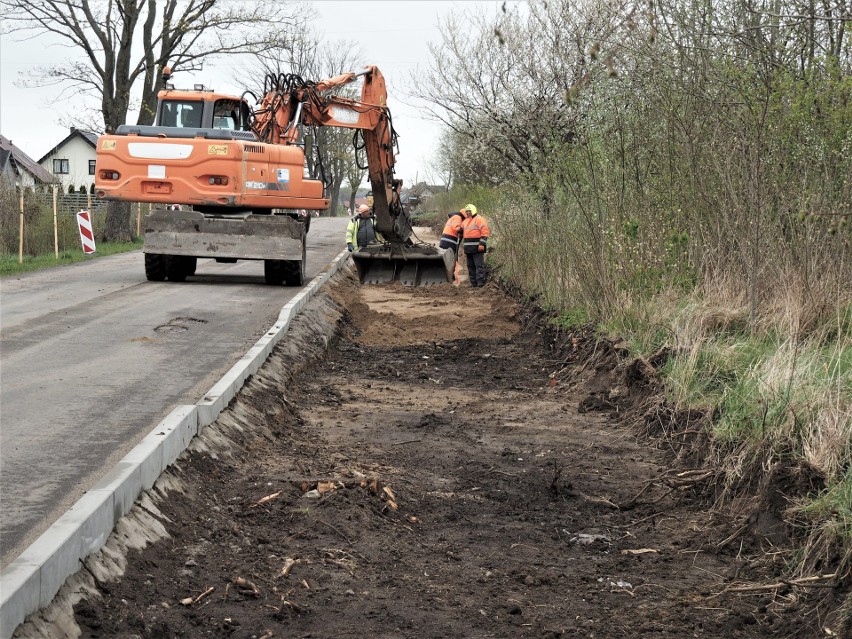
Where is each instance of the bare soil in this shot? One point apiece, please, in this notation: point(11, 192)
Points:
point(449, 467)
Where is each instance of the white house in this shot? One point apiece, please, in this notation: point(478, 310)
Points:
point(19, 169)
point(72, 161)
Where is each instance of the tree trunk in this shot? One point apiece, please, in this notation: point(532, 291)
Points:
point(118, 227)
point(335, 196)
point(352, 196)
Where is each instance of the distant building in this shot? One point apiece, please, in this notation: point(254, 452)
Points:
point(72, 161)
point(19, 169)
point(420, 193)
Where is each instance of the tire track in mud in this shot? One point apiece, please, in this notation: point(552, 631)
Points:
point(428, 476)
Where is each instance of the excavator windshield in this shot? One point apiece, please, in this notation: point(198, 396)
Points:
point(181, 113)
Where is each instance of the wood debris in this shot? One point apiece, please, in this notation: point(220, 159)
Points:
point(803, 581)
point(263, 500)
point(289, 562)
point(371, 484)
point(188, 601)
point(286, 603)
point(246, 587)
point(638, 551)
point(324, 487)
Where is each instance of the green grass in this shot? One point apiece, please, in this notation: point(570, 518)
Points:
point(831, 512)
point(772, 395)
point(9, 263)
point(571, 318)
point(835, 503)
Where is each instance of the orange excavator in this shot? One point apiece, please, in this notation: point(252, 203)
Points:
point(233, 181)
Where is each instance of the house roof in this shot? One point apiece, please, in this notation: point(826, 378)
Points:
point(90, 137)
point(10, 154)
point(422, 187)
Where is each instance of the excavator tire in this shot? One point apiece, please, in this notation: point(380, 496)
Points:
point(190, 264)
point(274, 272)
point(176, 268)
point(294, 270)
point(155, 267)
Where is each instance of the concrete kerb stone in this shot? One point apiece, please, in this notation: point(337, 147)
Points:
point(178, 430)
point(20, 588)
point(32, 580)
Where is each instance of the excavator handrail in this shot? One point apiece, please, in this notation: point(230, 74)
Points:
point(184, 132)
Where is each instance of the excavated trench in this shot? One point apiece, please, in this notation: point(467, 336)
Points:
point(430, 463)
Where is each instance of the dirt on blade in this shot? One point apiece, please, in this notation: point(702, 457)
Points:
point(446, 469)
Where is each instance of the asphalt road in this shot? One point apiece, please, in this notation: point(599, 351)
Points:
point(93, 356)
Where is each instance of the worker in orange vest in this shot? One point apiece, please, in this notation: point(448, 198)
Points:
point(451, 236)
point(475, 243)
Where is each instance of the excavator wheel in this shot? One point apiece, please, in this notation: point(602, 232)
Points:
point(294, 270)
point(274, 272)
point(176, 268)
point(190, 264)
point(155, 267)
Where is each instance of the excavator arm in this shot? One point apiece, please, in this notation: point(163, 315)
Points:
point(288, 101)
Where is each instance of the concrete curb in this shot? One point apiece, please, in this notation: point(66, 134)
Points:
point(31, 581)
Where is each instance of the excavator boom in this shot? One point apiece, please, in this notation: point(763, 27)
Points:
point(398, 258)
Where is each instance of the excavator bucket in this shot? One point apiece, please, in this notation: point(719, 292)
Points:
point(413, 266)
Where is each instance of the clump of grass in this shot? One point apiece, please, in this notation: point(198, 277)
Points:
point(778, 393)
point(828, 520)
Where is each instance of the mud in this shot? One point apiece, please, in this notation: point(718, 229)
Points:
point(449, 468)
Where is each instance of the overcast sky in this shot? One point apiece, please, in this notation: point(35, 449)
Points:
point(394, 35)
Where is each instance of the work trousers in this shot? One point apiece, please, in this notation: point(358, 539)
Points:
point(476, 268)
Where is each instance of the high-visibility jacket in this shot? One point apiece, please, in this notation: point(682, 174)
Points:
point(476, 234)
point(452, 231)
point(362, 231)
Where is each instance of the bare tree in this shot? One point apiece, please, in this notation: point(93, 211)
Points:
point(503, 84)
point(122, 46)
point(355, 175)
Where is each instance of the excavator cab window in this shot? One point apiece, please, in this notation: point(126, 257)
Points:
point(226, 115)
point(181, 113)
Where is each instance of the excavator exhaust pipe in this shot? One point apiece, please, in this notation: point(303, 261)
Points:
point(413, 266)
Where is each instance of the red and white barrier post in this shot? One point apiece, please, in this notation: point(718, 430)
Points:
point(87, 236)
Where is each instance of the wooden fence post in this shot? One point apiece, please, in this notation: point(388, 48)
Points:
point(55, 226)
point(138, 219)
point(21, 231)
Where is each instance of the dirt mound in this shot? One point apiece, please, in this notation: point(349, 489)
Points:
point(427, 483)
point(395, 315)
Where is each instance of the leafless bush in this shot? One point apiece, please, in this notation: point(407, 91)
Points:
point(643, 147)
